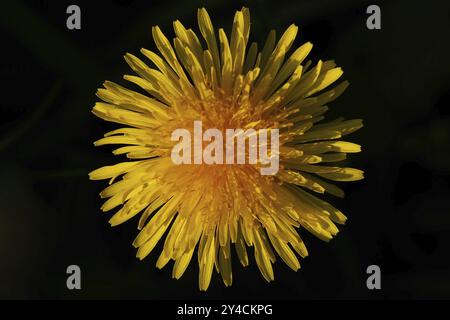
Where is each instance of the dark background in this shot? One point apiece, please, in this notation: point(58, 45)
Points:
point(49, 210)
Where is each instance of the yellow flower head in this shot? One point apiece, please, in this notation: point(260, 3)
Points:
point(225, 83)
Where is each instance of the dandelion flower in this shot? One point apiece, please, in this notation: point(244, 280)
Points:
point(209, 209)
